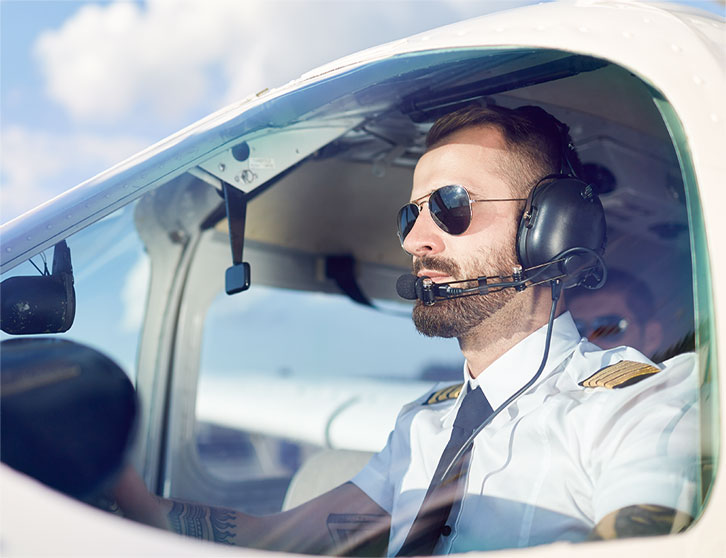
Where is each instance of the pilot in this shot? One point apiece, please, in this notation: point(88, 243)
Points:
point(620, 313)
point(546, 438)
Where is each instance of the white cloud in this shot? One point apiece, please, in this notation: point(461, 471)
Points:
point(105, 60)
point(168, 58)
point(38, 165)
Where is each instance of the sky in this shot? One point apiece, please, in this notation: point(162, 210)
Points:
point(83, 85)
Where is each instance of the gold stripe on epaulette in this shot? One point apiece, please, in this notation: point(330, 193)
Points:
point(619, 375)
point(451, 392)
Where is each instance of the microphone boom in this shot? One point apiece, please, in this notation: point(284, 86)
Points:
point(410, 287)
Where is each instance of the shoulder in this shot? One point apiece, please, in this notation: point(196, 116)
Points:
point(440, 395)
point(619, 375)
point(622, 386)
point(612, 371)
point(434, 402)
point(626, 395)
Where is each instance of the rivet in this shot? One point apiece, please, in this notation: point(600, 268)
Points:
point(675, 47)
point(698, 80)
point(627, 34)
point(222, 167)
point(583, 29)
point(714, 117)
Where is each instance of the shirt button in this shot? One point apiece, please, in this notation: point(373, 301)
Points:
point(446, 530)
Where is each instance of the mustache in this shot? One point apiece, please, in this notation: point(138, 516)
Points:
point(442, 265)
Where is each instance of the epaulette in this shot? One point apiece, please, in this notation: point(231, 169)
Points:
point(451, 392)
point(619, 375)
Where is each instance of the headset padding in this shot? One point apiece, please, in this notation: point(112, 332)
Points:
point(561, 213)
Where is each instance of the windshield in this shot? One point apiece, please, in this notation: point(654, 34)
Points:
point(319, 380)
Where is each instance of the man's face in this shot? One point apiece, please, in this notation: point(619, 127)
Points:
point(608, 321)
point(468, 158)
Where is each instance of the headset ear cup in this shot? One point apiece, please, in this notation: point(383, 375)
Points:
point(561, 213)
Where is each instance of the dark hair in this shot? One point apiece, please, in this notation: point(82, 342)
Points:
point(540, 144)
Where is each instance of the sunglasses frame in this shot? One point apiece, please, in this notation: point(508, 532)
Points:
point(418, 203)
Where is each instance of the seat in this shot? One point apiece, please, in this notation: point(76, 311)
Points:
point(67, 414)
point(321, 472)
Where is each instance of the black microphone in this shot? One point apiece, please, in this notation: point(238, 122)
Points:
point(410, 287)
point(406, 286)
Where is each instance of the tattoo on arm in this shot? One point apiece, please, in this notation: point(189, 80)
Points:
point(640, 521)
point(202, 522)
point(358, 533)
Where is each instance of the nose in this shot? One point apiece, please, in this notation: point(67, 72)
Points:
point(425, 238)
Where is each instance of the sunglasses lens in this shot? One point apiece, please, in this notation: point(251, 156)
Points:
point(609, 327)
point(451, 209)
point(406, 219)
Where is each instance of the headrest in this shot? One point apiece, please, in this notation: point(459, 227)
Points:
point(67, 413)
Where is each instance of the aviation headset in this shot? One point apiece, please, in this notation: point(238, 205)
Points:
point(562, 213)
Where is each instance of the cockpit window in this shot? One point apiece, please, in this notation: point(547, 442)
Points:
point(264, 399)
point(704, 330)
point(111, 277)
point(320, 357)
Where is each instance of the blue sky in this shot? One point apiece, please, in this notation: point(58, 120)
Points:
point(85, 84)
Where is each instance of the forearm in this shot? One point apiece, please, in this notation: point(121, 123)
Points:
point(640, 521)
point(193, 520)
point(278, 532)
point(308, 529)
point(343, 521)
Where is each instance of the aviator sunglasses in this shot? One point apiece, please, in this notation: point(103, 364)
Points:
point(611, 326)
point(450, 208)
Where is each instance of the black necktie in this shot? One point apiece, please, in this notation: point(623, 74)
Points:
point(440, 496)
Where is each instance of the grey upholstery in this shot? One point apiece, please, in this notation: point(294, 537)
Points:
point(323, 471)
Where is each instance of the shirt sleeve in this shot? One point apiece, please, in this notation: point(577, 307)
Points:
point(646, 448)
point(374, 479)
point(381, 477)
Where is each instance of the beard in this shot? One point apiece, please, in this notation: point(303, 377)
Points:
point(457, 316)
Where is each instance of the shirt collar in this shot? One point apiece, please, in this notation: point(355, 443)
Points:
point(517, 366)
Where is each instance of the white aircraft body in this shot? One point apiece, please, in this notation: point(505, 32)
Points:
point(290, 195)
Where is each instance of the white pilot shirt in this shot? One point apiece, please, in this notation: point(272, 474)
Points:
point(555, 461)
